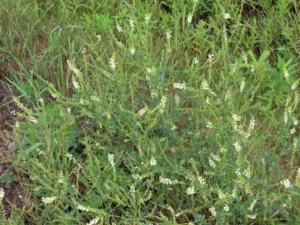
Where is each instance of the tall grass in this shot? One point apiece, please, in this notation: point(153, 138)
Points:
point(156, 112)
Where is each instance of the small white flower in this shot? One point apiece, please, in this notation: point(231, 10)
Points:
point(196, 61)
point(209, 125)
point(211, 163)
point(107, 74)
point(143, 111)
point(288, 100)
point(150, 70)
point(293, 130)
point(132, 191)
point(238, 172)
point(207, 100)
point(252, 205)
point(236, 117)
point(33, 120)
point(152, 161)
point(48, 200)
point(61, 179)
point(1, 194)
point(237, 146)
point(295, 122)
point(177, 100)
point(94, 221)
point(162, 104)
point(179, 85)
point(224, 33)
point(221, 195)
point(233, 67)
point(69, 110)
point(227, 95)
point(205, 85)
point(95, 98)
point(137, 176)
point(226, 208)
point(83, 208)
point(112, 63)
point(286, 183)
point(251, 216)
point(211, 58)
point(132, 25)
point(132, 51)
point(76, 85)
point(14, 112)
point(70, 156)
point(190, 191)
point(285, 117)
point(222, 149)
point(72, 66)
point(120, 44)
point(98, 37)
point(245, 58)
point(119, 28)
point(76, 71)
point(242, 86)
point(147, 18)
point(154, 93)
point(294, 85)
point(111, 161)
point(201, 180)
point(168, 33)
point(213, 211)
point(189, 18)
point(286, 73)
point(247, 172)
point(252, 124)
point(215, 157)
point(167, 181)
point(226, 16)
point(233, 195)
point(289, 110)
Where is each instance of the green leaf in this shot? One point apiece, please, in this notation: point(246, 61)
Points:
point(264, 56)
point(288, 62)
point(27, 151)
point(253, 57)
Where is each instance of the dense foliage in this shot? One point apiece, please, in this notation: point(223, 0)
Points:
point(154, 112)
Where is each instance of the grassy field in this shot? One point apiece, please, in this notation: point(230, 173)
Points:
point(150, 112)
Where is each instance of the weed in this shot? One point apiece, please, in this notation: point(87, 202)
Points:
point(165, 112)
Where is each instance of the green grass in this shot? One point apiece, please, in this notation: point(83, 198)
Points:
point(164, 122)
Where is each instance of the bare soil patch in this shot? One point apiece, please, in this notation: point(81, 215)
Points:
point(14, 192)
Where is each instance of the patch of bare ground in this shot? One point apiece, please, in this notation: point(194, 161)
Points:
point(14, 192)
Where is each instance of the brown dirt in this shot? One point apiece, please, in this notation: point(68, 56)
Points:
point(14, 193)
